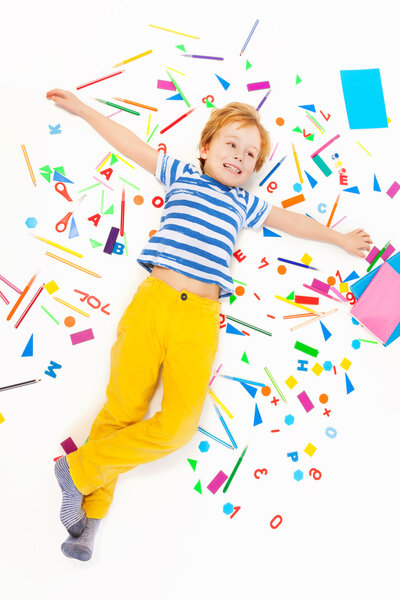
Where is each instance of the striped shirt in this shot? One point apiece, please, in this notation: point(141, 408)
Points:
point(199, 224)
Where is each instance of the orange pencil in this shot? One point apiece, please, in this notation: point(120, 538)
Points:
point(28, 163)
point(135, 103)
point(333, 212)
point(22, 296)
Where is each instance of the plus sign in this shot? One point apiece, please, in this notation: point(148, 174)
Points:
point(327, 412)
point(275, 401)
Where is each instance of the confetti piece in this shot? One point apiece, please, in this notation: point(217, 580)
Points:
point(322, 165)
point(305, 401)
point(257, 416)
point(346, 363)
point(306, 349)
point(317, 369)
point(310, 449)
point(28, 351)
point(192, 463)
point(349, 385)
point(82, 336)
point(292, 201)
point(363, 97)
point(326, 333)
point(216, 483)
point(291, 382)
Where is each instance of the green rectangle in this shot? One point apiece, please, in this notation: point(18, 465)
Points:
point(306, 349)
point(322, 165)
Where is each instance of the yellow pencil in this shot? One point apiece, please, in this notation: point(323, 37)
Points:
point(72, 264)
point(297, 163)
point(295, 303)
point(220, 403)
point(58, 246)
point(28, 163)
point(178, 32)
point(133, 58)
point(70, 306)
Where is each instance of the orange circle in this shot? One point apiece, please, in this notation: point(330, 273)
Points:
point(239, 290)
point(323, 398)
point(331, 280)
point(69, 321)
point(266, 390)
point(281, 269)
point(152, 232)
point(138, 200)
point(280, 121)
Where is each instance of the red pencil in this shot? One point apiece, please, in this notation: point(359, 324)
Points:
point(22, 296)
point(177, 121)
point(121, 229)
point(35, 297)
point(101, 79)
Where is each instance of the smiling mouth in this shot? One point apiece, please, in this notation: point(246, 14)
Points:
point(232, 169)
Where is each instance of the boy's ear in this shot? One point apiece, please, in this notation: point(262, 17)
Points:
point(204, 151)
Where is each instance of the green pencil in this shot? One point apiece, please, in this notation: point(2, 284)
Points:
point(134, 112)
point(377, 257)
point(178, 88)
point(228, 483)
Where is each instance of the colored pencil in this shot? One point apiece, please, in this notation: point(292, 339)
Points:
point(178, 88)
point(2, 296)
point(316, 318)
point(263, 100)
point(135, 103)
point(28, 162)
point(242, 380)
point(11, 285)
point(178, 32)
point(78, 310)
point(219, 402)
point(58, 246)
point(121, 229)
point(225, 426)
point(35, 297)
point(324, 146)
point(297, 164)
point(249, 36)
point(294, 303)
point(124, 62)
point(15, 385)
point(333, 211)
point(312, 314)
point(292, 262)
point(377, 257)
point(134, 112)
point(101, 79)
point(235, 468)
point(22, 296)
point(248, 325)
point(268, 175)
point(67, 262)
point(275, 384)
point(175, 122)
point(210, 435)
point(200, 56)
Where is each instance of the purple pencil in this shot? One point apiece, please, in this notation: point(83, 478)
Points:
point(200, 56)
point(263, 100)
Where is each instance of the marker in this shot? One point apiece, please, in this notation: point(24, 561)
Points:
point(134, 112)
point(292, 262)
point(200, 56)
point(272, 171)
point(175, 122)
point(228, 483)
point(121, 229)
point(248, 39)
point(135, 103)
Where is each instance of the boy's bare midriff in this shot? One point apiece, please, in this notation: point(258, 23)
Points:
point(182, 282)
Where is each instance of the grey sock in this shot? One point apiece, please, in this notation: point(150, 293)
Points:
point(72, 515)
point(81, 548)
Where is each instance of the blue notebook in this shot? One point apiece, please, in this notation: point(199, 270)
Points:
point(359, 287)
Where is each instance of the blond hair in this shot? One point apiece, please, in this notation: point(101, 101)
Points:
point(232, 113)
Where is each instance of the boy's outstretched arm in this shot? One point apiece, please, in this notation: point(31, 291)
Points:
point(305, 227)
point(120, 137)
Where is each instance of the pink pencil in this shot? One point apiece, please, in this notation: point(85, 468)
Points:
point(35, 297)
point(101, 79)
point(121, 229)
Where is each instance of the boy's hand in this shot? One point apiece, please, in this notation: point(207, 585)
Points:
point(355, 241)
point(66, 99)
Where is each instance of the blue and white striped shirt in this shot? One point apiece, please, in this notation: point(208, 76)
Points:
point(200, 222)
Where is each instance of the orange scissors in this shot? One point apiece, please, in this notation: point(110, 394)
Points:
point(61, 226)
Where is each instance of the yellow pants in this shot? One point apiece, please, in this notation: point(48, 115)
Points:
point(160, 326)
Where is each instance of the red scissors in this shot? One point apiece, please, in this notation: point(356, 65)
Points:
point(61, 226)
point(63, 190)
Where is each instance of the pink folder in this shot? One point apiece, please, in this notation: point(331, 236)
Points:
point(378, 308)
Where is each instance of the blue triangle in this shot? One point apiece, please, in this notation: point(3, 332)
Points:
point(309, 107)
point(73, 232)
point(249, 388)
point(353, 190)
point(349, 385)
point(224, 83)
point(58, 177)
point(257, 416)
point(313, 182)
point(350, 277)
point(376, 184)
point(231, 329)
point(176, 97)
point(28, 348)
point(269, 233)
point(327, 334)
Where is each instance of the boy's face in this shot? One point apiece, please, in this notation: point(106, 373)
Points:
point(232, 153)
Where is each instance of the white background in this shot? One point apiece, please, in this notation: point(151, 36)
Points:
point(161, 539)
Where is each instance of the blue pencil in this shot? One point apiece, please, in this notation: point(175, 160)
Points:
point(214, 437)
point(242, 380)
point(292, 262)
point(221, 418)
point(248, 39)
point(272, 170)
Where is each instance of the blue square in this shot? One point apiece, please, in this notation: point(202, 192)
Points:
point(364, 100)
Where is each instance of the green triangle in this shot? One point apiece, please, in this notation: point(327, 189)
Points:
point(310, 137)
point(248, 65)
point(197, 487)
point(232, 299)
point(192, 463)
point(94, 243)
point(60, 170)
point(209, 104)
point(291, 296)
point(297, 79)
point(244, 358)
point(114, 159)
point(181, 47)
point(47, 176)
point(297, 129)
point(109, 211)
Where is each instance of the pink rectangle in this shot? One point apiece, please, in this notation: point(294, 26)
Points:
point(320, 285)
point(372, 254)
point(319, 292)
point(388, 252)
point(394, 188)
point(82, 336)
point(306, 402)
point(216, 483)
point(260, 85)
point(165, 85)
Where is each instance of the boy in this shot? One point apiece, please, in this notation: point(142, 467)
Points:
point(173, 318)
